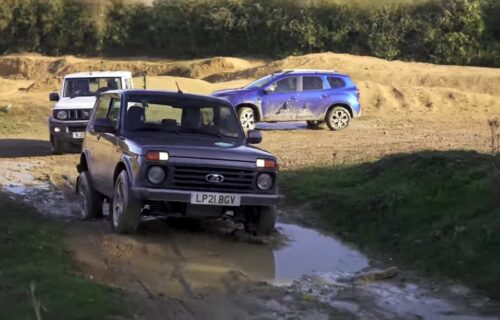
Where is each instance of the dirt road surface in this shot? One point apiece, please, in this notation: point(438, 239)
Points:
point(174, 270)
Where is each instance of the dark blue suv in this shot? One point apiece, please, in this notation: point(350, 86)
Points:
point(315, 96)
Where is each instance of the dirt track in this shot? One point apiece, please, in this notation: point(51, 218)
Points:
point(207, 272)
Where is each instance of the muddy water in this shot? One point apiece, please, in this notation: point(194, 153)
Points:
point(309, 252)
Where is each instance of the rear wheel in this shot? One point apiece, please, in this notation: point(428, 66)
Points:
point(338, 118)
point(89, 199)
point(125, 211)
point(262, 222)
point(247, 118)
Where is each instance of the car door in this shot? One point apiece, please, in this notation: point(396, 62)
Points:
point(313, 99)
point(280, 101)
point(92, 141)
point(107, 147)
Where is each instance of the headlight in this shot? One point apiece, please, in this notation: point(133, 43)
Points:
point(156, 175)
point(61, 115)
point(264, 181)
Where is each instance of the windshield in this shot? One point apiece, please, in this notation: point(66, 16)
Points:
point(181, 116)
point(86, 87)
point(259, 83)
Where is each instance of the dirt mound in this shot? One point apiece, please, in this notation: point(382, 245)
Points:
point(388, 87)
point(44, 69)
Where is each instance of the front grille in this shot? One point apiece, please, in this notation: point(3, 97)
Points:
point(75, 114)
point(194, 178)
point(78, 114)
point(77, 129)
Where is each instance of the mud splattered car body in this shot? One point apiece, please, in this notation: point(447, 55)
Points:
point(315, 96)
point(155, 152)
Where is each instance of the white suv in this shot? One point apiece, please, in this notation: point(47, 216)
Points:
point(74, 103)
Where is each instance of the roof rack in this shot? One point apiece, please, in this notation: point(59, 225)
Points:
point(307, 70)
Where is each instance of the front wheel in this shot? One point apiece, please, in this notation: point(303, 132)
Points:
point(247, 118)
point(58, 147)
point(125, 211)
point(338, 118)
point(314, 124)
point(263, 221)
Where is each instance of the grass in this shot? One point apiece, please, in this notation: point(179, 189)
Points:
point(436, 211)
point(32, 254)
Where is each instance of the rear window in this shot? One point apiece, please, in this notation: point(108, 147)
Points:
point(312, 83)
point(336, 82)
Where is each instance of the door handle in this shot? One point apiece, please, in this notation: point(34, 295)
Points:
point(324, 96)
point(293, 98)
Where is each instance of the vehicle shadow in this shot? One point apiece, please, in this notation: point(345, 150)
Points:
point(18, 148)
point(282, 126)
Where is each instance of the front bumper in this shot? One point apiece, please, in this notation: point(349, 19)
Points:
point(67, 131)
point(185, 196)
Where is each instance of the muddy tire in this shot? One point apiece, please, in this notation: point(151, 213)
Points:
point(58, 147)
point(246, 115)
point(314, 125)
point(262, 222)
point(89, 199)
point(338, 118)
point(125, 211)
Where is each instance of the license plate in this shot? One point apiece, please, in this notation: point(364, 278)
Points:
point(215, 199)
point(78, 135)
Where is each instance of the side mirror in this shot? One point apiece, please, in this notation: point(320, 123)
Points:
point(269, 89)
point(54, 96)
point(254, 137)
point(104, 126)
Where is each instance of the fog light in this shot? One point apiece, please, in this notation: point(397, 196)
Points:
point(264, 181)
point(56, 129)
point(156, 175)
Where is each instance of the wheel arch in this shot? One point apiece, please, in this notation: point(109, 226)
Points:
point(340, 104)
point(120, 166)
point(257, 111)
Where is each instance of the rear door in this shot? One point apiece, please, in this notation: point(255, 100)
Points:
point(280, 102)
point(313, 100)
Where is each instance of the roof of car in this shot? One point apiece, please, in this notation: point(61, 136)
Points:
point(100, 74)
point(173, 94)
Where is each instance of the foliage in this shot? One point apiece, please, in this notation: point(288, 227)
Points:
point(32, 254)
point(440, 31)
point(436, 211)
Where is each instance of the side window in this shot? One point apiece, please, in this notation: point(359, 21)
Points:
point(114, 112)
point(101, 110)
point(289, 84)
point(336, 82)
point(312, 83)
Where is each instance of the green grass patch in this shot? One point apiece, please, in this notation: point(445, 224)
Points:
point(31, 251)
point(436, 211)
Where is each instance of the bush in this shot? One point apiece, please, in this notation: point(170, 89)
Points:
point(439, 31)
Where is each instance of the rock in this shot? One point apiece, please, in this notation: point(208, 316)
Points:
point(376, 275)
point(6, 109)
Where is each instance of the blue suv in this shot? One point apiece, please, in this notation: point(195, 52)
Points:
point(315, 96)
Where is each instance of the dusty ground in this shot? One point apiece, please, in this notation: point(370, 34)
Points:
point(208, 272)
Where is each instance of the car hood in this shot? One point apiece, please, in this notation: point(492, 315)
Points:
point(227, 92)
point(75, 103)
point(200, 148)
